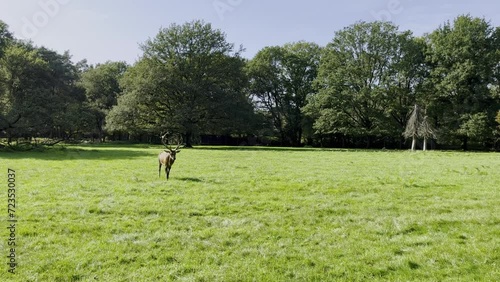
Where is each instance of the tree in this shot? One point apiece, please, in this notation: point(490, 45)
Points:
point(476, 127)
point(413, 126)
point(189, 80)
point(38, 90)
point(426, 130)
point(406, 85)
point(464, 57)
point(418, 126)
point(6, 37)
point(132, 113)
point(281, 79)
point(64, 95)
point(23, 71)
point(368, 80)
point(102, 89)
point(497, 131)
point(6, 118)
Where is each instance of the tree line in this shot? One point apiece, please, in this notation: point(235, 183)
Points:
point(363, 89)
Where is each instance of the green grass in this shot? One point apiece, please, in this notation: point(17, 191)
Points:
point(100, 213)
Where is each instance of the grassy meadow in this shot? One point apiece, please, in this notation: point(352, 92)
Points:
point(101, 213)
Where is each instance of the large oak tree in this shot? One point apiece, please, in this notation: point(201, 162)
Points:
point(190, 80)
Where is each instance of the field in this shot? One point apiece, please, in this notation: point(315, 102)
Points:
point(100, 213)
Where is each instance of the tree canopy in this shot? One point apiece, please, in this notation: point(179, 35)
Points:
point(189, 80)
point(368, 81)
point(281, 80)
point(464, 59)
point(102, 89)
point(361, 89)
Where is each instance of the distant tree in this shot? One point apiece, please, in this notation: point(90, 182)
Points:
point(476, 127)
point(413, 126)
point(406, 84)
point(82, 66)
point(132, 113)
point(38, 89)
point(189, 80)
point(281, 79)
point(368, 81)
point(418, 126)
point(464, 57)
point(58, 83)
point(6, 118)
point(497, 131)
point(6, 37)
point(23, 70)
point(427, 130)
point(102, 89)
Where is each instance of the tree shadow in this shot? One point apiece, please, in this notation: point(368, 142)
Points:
point(190, 179)
point(75, 153)
point(251, 148)
point(287, 149)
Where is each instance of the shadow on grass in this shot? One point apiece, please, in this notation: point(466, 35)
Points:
point(250, 148)
point(117, 151)
point(75, 153)
point(289, 149)
point(190, 179)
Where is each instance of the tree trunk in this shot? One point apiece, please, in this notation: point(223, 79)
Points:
point(283, 138)
point(189, 136)
point(425, 144)
point(465, 144)
point(414, 144)
point(299, 138)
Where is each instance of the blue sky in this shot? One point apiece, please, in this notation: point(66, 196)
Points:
point(101, 30)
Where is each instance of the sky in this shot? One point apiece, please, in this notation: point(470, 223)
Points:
point(112, 30)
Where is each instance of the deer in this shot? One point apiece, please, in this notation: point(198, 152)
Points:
point(167, 157)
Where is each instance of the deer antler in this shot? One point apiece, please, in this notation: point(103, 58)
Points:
point(164, 140)
point(178, 146)
point(179, 142)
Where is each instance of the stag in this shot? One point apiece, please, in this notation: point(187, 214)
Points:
point(167, 157)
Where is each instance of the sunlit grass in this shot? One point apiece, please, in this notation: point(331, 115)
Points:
point(255, 214)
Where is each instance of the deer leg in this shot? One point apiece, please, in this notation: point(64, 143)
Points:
point(159, 169)
point(167, 171)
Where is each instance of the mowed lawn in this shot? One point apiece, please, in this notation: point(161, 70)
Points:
point(100, 213)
